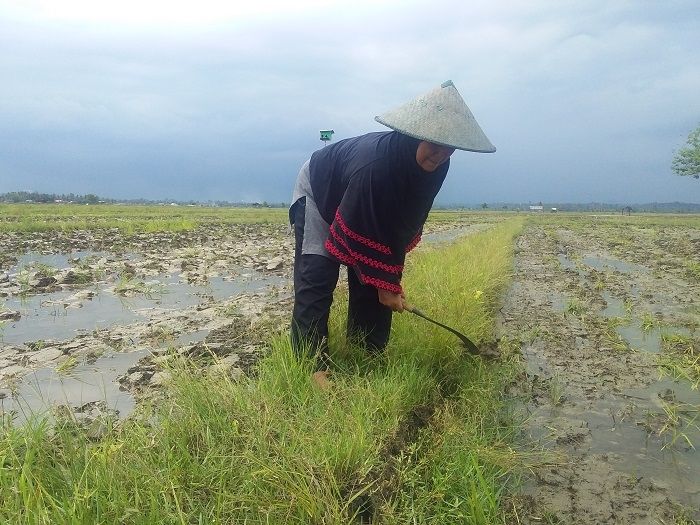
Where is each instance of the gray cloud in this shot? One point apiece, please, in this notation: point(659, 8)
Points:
point(584, 102)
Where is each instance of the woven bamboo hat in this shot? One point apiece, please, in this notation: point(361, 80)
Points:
point(440, 116)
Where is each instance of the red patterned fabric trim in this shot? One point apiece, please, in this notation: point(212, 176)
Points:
point(413, 243)
point(359, 238)
point(378, 283)
point(335, 252)
point(389, 268)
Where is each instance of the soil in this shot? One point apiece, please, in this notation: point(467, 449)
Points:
point(617, 438)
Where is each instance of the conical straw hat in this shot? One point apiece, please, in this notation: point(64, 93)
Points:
point(440, 116)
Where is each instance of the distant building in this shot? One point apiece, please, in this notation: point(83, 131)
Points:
point(537, 208)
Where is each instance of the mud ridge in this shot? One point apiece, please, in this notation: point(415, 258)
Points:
point(383, 479)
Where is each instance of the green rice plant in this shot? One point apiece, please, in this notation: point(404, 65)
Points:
point(648, 322)
point(127, 285)
point(680, 343)
point(677, 424)
point(575, 307)
point(67, 365)
point(555, 391)
point(85, 277)
point(612, 338)
point(692, 270)
point(681, 357)
point(531, 335)
point(228, 310)
point(43, 270)
point(128, 219)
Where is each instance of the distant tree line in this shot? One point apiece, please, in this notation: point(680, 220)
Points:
point(650, 207)
point(33, 196)
point(653, 207)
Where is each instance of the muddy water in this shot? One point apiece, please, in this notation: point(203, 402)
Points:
point(620, 433)
point(83, 345)
point(87, 383)
point(54, 316)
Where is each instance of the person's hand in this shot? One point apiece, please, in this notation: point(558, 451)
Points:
point(395, 301)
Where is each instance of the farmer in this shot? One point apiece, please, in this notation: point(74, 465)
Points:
point(362, 202)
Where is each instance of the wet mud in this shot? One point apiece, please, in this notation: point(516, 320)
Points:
point(91, 319)
point(592, 317)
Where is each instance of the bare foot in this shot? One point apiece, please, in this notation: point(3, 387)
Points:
point(320, 378)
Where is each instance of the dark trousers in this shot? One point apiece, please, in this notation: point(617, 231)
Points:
point(315, 279)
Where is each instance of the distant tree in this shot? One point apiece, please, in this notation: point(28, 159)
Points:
point(687, 160)
point(484, 206)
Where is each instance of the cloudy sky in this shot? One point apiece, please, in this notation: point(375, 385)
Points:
point(585, 101)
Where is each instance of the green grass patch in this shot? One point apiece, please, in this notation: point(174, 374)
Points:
point(681, 358)
point(128, 219)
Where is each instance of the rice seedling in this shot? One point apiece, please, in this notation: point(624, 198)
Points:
point(127, 286)
point(648, 322)
point(575, 307)
point(681, 357)
point(676, 424)
point(67, 365)
point(555, 391)
point(612, 337)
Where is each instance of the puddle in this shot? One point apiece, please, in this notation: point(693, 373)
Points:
point(45, 316)
point(615, 307)
point(559, 302)
point(606, 263)
point(55, 260)
point(452, 235)
point(632, 332)
point(632, 435)
point(565, 262)
point(45, 388)
point(624, 429)
point(190, 338)
point(638, 339)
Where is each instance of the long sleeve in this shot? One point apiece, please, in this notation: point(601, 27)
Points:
point(375, 263)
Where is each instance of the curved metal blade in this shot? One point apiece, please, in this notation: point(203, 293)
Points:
point(468, 344)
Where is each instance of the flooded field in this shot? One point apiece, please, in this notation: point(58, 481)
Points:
point(81, 328)
point(597, 308)
point(605, 313)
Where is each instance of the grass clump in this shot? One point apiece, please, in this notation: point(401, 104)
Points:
point(681, 358)
point(419, 434)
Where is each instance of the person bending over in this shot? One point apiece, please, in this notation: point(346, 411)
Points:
point(362, 203)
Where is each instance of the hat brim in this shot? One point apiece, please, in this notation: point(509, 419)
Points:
point(442, 117)
point(487, 147)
